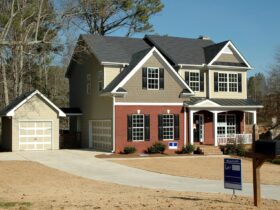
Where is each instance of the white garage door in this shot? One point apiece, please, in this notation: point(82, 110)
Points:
point(101, 135)
point(35, 135)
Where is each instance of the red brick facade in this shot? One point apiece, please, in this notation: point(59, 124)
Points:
point(121, 113)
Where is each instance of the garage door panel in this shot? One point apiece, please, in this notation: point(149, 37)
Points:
point(102, 135)
point(35, 135)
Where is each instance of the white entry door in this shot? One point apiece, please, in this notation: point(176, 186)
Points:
point(35, 135)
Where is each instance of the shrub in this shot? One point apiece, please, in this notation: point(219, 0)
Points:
point(198, 151)
point(276, 161)
point(186, 149)
point(129, 150)
point(156, 148)
point(234, 149)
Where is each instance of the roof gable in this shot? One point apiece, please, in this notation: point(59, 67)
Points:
point(207, 103)
point(229, 49)
point(129, 73)
point(22, 99)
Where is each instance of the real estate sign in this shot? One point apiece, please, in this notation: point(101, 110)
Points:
point(232, 174)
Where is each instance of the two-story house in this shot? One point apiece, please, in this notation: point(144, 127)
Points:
point(135, 92)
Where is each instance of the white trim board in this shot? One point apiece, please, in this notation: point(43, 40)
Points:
point(141, 63)
point(146, 104)
point(229, 43)
point(11, 113)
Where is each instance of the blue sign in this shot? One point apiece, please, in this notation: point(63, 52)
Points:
point(173, 145)
point(232, 174)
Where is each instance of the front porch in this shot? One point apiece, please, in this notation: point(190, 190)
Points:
point(210, 123)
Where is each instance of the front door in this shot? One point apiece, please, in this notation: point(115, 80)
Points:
point(198, 131)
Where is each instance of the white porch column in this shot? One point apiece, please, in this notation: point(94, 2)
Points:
point(215, 119)
point(254, 117)
point(185, 127)
point(191, 127)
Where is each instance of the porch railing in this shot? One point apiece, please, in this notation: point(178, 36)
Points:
point(235, 138)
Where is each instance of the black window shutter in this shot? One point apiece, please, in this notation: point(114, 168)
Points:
point(239, 82)
point(160, 128)
point(129, 127)
point(144, 78)
point(147, 127)
point(176, 127)
point(187, 77)
point(216, 85)
point(161, 78)
point(201, 81)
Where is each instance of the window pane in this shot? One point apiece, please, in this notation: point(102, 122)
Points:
point(138, 127)
point(168, 126)
point(194, 81)
point(153, 78)
point(233, 82)
point(222, 82)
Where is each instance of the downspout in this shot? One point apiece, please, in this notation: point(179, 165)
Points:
point(113, 127)
point(185, 127)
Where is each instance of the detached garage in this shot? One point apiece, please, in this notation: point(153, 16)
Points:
point(31, 122)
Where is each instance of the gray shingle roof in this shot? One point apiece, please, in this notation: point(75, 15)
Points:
point(15, 102)
point(135, 59)
point(114, 49)
point(181, 50)
point(212, 50)
point(224, 102)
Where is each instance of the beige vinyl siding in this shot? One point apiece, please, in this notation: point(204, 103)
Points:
point(170, 93)
point(6, 141)
point(228, 95)
point(110, 73)
point(182, 71)
point(94, 106)
point(233, 58)
point(35, 109)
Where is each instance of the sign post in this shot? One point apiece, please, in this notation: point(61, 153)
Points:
point(232, 174)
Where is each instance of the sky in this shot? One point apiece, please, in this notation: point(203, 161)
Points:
point(252, 25)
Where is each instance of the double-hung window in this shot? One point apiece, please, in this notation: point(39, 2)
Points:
point(138, 127)
point(222, 82)
point(226, 124)
point(233, 82)
point(153, 78)
point(228, 82)
point(168, 126)
point(194, 81)
point(88, 84)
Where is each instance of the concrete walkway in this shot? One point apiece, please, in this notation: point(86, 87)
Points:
point(83, 163)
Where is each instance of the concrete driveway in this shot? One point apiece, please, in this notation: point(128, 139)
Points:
point(83, 163)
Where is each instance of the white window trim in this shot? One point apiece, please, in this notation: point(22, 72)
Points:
point(138, 127)
point(225, 124)
point(152, 78)
point(168, 127)
point(194, 71)
point(227, 73)
point(236, 74)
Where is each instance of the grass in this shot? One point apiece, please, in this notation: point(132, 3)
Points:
point(6, 205)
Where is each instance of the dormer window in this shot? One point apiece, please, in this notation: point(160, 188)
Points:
point(153, 78)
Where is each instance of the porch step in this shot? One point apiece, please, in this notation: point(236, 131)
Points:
point(209, 149)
